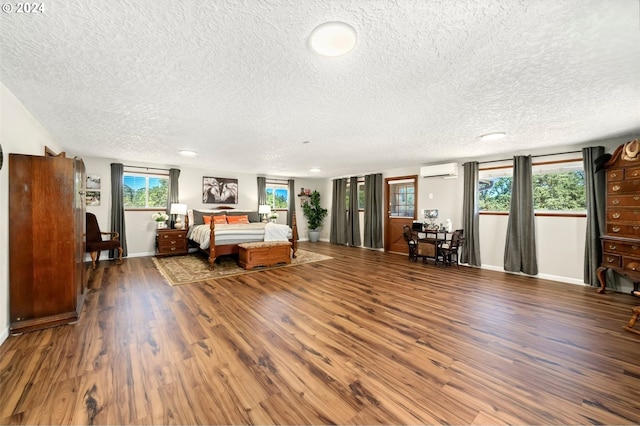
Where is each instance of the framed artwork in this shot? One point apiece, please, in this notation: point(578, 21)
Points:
point(93, 198)
point(217, 190)
point(93, 182)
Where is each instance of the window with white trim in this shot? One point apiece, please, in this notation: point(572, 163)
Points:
point(145, 190)
point(558, 188)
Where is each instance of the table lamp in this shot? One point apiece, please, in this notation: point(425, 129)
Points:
point(178, 210)
point(264, 210)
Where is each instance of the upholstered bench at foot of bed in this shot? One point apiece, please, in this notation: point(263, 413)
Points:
point(264, 253)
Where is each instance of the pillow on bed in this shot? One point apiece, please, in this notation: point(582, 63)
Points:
point(217, 219)
point(252, 215)
point(198, 216)
point(232, 220)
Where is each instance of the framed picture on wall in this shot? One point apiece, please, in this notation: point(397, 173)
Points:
point(93, 182)
point(217, 190)
point(93, 198)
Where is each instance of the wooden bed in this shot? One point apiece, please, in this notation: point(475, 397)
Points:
point(213, 251)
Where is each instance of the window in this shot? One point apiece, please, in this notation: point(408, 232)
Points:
point(361, 198)
point(277, 195)
point(402, 198)
point(558, 188)
point(145, 191)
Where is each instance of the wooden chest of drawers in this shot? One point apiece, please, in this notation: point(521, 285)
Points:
point(170, 242)
point(621, 241)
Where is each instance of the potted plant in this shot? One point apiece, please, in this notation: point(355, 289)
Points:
point(315, 215)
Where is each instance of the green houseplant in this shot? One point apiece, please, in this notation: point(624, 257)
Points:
point(315, 215)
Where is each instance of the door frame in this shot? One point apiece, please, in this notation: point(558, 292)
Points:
point(388, 238)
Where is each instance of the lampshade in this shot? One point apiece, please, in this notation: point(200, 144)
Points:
point(264, 209)
point(178, 209)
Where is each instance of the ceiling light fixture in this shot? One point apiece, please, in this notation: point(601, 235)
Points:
point(493, 136)
point(187, 153)
point(333, 39)
point(314, 170)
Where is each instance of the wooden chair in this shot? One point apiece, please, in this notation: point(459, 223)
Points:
point(95, 244)
point(449, 249)
point(412, 242)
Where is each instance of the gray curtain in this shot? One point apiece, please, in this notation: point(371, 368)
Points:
point(520, 248)
point(470, 252)
point(292, 201)
point(339, 212)
point(373, 211)
point(262, 190)
point(353, 225)
point(595, 188)
point(117, 207)
point(173, 196)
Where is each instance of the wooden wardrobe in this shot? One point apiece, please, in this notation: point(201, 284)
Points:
point(46, 241)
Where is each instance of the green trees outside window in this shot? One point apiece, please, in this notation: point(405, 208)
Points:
point(554, 191)
point(143, 191)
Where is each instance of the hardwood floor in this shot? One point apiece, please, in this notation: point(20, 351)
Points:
point(366, 337)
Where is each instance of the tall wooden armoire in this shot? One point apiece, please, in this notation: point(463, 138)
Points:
point(46, 241)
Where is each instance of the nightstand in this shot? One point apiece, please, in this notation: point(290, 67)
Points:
point(171, 242)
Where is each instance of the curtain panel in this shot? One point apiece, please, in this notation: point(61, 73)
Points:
point(292, 202)
point(353, 224)
point(338, 233)
point(595, 188)
point(520, 248)
point(117, 208)
point(262, 191)
point(173, 196)
point(374, 204)
point(470, 252)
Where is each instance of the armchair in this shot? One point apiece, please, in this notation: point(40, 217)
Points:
point(95, 244)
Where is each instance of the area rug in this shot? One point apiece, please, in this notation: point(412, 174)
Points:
point(178, 270)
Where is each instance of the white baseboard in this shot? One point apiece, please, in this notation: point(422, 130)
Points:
point(542, 276)
point(4, 335)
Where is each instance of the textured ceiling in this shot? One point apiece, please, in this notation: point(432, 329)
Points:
point(235, 81)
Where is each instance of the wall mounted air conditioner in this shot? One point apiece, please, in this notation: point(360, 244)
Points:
point(445, 170)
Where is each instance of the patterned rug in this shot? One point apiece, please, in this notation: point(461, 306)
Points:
point(178, 270)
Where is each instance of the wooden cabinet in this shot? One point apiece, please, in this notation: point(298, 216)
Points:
point(621, 241)
point(170, 242)
point(46, 241)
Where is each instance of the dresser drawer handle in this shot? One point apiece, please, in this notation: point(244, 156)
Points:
point(636, 198)
point(173, 248)
point(610, 259)
point(173, 242)
point(612, 247)
point(633, 266)
point(616, 215)
point(636, 227)
point(614, 174)
point(615, 188)
point(634, 247)
point(635, 173)
point(616, 229)
point(615, 201)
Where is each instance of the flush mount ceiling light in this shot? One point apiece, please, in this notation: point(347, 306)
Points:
point(493, 136)
point(314, 170)
point(187, 153)
point(333, 39)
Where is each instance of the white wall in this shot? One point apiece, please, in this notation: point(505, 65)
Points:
point(20, 133)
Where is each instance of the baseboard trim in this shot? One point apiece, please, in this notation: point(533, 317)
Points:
point(541, 276)
point(4, 335)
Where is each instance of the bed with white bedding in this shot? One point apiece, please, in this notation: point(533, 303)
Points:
point(226, 236)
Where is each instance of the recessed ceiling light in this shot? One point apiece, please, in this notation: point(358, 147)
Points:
point(333, 39)
point(314, 170)
point(187, 153)
point(493, 136)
